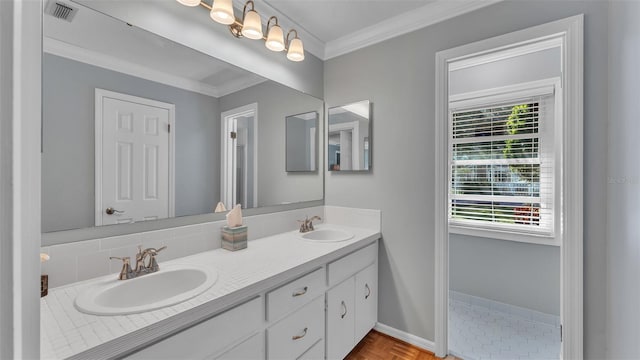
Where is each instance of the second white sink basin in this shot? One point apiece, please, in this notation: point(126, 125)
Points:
point(171, 285)
point(327, 235)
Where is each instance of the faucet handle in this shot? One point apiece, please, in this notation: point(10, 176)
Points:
point(125, 272)
point(125, 259)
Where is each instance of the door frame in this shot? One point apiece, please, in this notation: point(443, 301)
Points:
point(226, 175)
point(570, 31)
point(100, 94)
point(354, 127)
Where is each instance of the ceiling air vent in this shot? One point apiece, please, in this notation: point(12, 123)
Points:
point(60, 10)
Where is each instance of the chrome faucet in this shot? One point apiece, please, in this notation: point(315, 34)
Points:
point(146, 263)
point(306, 225)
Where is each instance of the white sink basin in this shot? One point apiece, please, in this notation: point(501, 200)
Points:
point(171, 285)
point(327, 235)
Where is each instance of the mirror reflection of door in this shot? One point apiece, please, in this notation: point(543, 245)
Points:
point(133, 161)
point(239, 155)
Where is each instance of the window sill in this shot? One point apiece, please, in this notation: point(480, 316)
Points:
point(504, 235)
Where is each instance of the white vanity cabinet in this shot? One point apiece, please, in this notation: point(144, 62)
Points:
point(320, 315)
point(352, 305)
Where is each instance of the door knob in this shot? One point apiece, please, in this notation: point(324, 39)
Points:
point(111, 211)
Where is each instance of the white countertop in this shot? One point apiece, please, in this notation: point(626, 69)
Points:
point(267, 262)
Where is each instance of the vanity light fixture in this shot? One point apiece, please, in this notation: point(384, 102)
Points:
point(275, 38)
point(221, 11)
point(251, 22)
point(296, 51)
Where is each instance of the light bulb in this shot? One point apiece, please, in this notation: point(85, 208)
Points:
point(275, 39)
point(222, 12)
point(296, 50)
point(189, 2)
point(252, 26)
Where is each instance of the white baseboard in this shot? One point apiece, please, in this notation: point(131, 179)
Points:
point(406, 337)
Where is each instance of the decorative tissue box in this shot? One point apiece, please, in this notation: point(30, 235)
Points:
point(234, 238)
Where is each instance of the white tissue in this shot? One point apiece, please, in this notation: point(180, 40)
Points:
point(234, 217)
point(220, 208)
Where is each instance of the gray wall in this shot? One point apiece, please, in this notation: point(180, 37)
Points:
point(68, 141)
point(520, 274)
point(275, 103)
point(530, 67)
point(623, 235)
point(398, 77)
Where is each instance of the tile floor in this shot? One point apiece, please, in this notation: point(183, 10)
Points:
point(477, 332)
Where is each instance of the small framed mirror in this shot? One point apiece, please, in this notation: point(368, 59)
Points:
point(301, 142)
point(349, 137)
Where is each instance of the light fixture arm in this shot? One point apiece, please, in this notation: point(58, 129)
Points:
point(269, 23)
point(244, 10)
point(289, 33)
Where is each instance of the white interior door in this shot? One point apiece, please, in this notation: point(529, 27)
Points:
point(133, 159)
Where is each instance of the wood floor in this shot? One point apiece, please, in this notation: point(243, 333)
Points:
point(378, 346)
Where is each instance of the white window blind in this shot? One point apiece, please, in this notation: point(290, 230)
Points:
point(501, 163)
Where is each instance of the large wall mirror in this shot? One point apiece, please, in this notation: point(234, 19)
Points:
point(349, 137)
point(137, 128)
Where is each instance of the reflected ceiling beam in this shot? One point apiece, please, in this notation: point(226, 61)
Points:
point(63, 49)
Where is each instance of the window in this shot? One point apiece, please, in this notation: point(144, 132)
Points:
point(502, 156)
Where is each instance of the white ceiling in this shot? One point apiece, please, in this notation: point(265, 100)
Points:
point(329, 20)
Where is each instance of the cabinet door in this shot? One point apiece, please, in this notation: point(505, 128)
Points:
point(209, 337)
point(366, 301)
point(340, 319)
point(315, 353)
point(252, 348)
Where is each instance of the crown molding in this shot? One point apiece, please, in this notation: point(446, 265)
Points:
point(427, 15)
point(73, 52)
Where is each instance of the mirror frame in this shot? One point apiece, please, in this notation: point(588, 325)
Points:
point(370, 128)
point(286, 143)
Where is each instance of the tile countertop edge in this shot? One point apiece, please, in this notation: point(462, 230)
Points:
point(145, 336)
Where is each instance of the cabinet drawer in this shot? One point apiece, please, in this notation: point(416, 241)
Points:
point(352, 263)
point(209, 337)
point(252, 348)
point(293, 295)
point(293, 335)
point(315, 353)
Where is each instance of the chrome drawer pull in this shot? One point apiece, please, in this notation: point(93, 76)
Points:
point(301, 292)
point(344, 306)
point(366, 286)
point(298, 337)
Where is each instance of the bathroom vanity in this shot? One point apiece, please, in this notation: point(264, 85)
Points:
point(284, 297)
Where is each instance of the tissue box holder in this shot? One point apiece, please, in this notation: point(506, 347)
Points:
point(234, 238)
